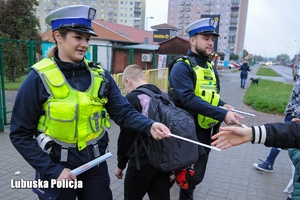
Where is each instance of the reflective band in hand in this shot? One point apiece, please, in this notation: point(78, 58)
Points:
point(91, 164)
point(195, 142)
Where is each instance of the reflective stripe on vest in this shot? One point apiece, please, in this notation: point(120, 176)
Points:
point(71, 116)
point(206, 88)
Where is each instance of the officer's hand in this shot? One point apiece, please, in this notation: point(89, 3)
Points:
point(159, 131)
point(233, 118)
point(228, 107)
point(66, 174)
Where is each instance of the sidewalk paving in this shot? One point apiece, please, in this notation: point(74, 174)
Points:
point(230, 173)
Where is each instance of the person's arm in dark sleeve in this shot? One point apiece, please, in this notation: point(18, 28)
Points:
point(181, 79)
point(127, 136)
point(122, 112)
point(122, 149)
point(25, 116)
point(280, 135)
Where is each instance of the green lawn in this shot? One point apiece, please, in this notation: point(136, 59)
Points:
point(269, 96)
point(263, 71)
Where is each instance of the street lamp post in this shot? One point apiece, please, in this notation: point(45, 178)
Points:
point(147, 22)
point(297, 46)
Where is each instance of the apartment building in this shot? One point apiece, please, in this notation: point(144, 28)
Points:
point(232, 22)
point(125, 12)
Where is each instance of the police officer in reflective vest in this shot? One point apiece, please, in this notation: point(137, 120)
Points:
point(62, 108)
point(194, 86)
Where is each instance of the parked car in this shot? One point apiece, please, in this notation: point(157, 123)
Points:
point(234, 63)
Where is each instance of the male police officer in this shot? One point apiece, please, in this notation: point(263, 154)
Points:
point(194, 86)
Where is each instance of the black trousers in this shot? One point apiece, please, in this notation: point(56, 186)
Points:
point(147, 180)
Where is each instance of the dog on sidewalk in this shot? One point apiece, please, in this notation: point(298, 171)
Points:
point(254, 81)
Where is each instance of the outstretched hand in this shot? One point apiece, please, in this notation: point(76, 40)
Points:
point(231, 136)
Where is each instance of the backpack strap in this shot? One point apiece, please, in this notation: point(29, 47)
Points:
point(136, 152)
point(163, 96)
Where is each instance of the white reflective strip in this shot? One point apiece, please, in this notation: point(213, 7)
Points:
point(263, 134)
point(44, 142)
point(256, 134)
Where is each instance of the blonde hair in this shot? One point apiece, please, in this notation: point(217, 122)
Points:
point(63, 33)
point(133, 72)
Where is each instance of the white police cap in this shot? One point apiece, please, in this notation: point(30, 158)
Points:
point(205, 26)
point(76, 18)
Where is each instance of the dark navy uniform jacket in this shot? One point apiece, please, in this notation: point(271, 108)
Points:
point(28, 109)
point(183, 80)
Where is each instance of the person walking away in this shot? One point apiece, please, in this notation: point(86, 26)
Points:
point(244, 68)
point(141, 177)
point(67, 101)
point(194, 86)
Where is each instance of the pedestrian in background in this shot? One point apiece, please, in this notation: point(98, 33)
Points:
point(244, 68)
point(194, 86)
point(141, 177)
point(66, 102)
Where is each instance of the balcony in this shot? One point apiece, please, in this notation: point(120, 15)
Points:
point(137, 24)
point(233, 22)
point(137, 11)
point(233, 26)
point(187, 15)
point(235, 5)
point(181, 3)
point(188, 9)
point(234, 14)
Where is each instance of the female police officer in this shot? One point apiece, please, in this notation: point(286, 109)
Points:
point(66, 100)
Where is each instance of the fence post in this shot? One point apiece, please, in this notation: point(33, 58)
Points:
point(30, 53)
point(154, 61)
point(95, 53)
point(34, 52)
point(130, 56)
point(2, 88)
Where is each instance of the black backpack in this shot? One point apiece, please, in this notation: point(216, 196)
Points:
point(169, 154)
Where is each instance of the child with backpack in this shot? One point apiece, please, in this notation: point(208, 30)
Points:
point(141, 177)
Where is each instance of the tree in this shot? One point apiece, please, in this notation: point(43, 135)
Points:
point(18, 22)
point(283, 58)
point(234, 57)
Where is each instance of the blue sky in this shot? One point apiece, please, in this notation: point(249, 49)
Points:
point(272, 25)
